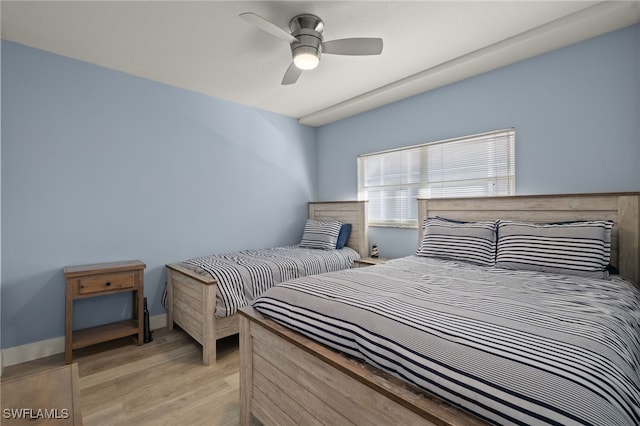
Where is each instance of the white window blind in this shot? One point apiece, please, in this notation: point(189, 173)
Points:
point(470, 166)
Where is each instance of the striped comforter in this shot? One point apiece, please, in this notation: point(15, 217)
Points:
point(246, 274)
point(511, 347)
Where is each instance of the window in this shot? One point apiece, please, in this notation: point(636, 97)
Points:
point(470, 166)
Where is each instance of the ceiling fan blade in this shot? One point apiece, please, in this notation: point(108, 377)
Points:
point(353, 46)
point(291, 75)
point(267, 26)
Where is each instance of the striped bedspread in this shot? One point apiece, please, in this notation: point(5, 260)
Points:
point(246, 274)
point(511, 347)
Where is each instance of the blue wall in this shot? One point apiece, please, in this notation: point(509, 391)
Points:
point(101, 166)
point(576, 112)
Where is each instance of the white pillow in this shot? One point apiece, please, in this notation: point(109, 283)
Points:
point(572, 248)
point(473, 242)
point(321, 235)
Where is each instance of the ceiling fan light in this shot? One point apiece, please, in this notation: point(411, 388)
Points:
point(306, 58)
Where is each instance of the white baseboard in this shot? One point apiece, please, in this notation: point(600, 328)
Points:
point(157, 321)
point(31, 351)
point(43, 348)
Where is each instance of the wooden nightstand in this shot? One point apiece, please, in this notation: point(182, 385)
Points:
point(101, 279)
point(369, 261)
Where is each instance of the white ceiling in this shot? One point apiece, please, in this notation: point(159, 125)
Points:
point(203, 46)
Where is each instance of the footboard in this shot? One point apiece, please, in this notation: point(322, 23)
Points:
point(191, 304)
point(287, 379)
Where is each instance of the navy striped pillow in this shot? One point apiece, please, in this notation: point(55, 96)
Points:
point(320, 235)
point(473, 242)
point(574, 248)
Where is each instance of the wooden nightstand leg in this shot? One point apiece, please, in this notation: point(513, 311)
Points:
point(68, 335)
point(169, 302)
point(138, 309)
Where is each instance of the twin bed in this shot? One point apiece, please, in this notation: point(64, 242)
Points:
point(203, 294)
point(427, 340)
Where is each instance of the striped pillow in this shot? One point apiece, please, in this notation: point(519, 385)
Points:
point(574, 248)
point(473, 242)
point(321, 235)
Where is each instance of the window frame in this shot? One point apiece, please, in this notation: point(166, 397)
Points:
point(407, 187)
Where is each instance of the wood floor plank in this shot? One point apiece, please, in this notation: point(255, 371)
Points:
point(114, 356)
point(159, 383)
point(111, 415)
point(129, 368)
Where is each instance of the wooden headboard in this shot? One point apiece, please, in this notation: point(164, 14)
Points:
point(353, 212)
point(622, 208)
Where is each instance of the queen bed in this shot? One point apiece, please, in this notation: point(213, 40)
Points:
point(204, 293)
point(432, 340)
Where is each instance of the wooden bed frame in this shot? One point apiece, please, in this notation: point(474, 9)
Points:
point(288, 379)
point(191, 297)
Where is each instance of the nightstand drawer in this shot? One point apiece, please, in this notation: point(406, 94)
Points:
point(106, 282)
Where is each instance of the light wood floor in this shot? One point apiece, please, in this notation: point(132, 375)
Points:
point(159, 383)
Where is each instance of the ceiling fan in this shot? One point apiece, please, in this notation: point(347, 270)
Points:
point(307, 43)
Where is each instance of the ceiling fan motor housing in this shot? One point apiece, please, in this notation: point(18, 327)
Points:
point(307, 29)
point(307, 44)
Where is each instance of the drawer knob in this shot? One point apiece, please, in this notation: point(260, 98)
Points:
point(108, 283)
